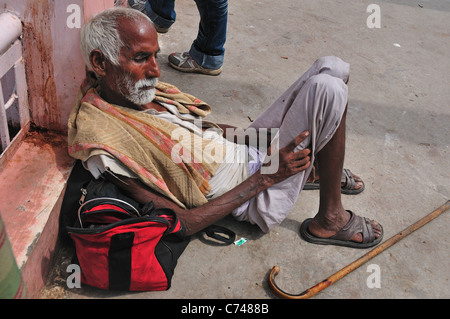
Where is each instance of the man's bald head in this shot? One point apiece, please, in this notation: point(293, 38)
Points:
point(105, 32)
point(121, 45)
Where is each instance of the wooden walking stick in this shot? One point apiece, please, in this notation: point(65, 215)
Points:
point(356, 264)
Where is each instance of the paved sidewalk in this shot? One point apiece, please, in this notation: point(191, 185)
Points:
point(398, 142)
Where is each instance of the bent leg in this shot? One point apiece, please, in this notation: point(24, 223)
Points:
point(274, 116)
point(316, 103)
point(332, 216)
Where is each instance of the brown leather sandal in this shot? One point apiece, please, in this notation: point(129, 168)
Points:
point(355, 225)
point(348, 182)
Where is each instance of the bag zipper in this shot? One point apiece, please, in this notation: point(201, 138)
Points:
point(128, 221)
point(83, 196)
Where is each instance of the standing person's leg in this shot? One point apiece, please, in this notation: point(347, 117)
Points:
point(207, 51)
point(162, 13)
point(208, 48)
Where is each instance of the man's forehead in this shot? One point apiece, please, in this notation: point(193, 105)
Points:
point(134, 31)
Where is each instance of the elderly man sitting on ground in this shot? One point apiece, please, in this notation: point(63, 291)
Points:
point(149, 139)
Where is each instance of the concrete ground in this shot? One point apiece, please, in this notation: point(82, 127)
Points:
point(398, 142)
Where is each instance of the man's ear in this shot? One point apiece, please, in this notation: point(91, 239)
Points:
point(98, 62)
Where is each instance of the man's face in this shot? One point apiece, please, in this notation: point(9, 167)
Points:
point(137, 74)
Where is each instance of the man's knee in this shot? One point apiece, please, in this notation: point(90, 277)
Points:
point(327, 84)
point(334, 67)
point(328, 96)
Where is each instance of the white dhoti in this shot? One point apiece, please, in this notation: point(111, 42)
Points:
point(316, 102)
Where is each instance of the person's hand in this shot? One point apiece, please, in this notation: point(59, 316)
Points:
point(290, 161)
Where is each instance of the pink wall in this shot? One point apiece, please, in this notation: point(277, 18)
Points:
point(93, 7)
point(54, 66)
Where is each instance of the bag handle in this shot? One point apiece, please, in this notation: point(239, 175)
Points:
point(103, 199)
point(213, 231)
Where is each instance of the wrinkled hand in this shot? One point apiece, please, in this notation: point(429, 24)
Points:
point(290, 162)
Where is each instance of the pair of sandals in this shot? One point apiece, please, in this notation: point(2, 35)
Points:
point(356, 224)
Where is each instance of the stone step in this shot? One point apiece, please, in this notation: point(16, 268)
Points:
point(32, 183)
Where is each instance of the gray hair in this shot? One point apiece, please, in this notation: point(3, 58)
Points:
point(101, 33)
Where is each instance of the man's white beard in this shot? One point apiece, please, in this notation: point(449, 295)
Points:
point(136, 93)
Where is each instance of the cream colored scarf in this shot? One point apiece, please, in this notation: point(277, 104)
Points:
point(144, 144)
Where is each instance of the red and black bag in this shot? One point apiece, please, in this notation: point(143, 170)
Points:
point(121, 245)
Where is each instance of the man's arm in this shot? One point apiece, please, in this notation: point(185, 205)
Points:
point(198, 218)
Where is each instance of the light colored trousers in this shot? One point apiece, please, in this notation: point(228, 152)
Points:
point(316, 102)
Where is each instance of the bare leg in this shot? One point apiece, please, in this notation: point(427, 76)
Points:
point(332, 216)
point(315, 176)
